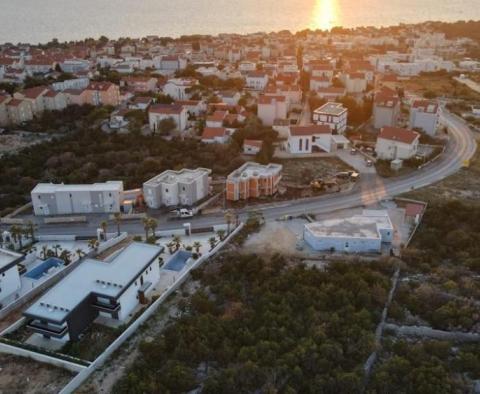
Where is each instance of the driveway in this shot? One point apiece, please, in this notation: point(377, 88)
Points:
point(357, 161)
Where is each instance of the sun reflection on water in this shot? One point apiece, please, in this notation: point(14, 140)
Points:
point(325, 15)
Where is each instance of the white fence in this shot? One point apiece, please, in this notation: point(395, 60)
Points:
point(85, 373)
point(60, 237)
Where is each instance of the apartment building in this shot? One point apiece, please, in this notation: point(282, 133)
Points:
point(396, 143)
point(59, 199)
point(386, 110)
point(19, 111)
point(102, 93)
point(256, 80)
point(270, 108)
point(35, 97)
point(96, 288)
point(172, 188)
point(54, 101)
point(333, 115)
point(424, 116)
point(253, 180)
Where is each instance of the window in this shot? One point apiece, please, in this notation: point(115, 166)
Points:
point(346, 244)
point(109, 194)
point(39, 197)
point(166, 190)
point(306, 144)
point(300, 142)
point(135, 283)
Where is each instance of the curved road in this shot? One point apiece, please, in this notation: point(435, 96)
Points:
point(461, 147)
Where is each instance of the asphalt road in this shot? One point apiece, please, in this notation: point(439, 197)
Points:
point(461, 147)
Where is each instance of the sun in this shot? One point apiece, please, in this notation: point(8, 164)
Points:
point(325, 14)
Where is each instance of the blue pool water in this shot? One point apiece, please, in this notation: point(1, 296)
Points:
point(178, 261)
point(39, 270)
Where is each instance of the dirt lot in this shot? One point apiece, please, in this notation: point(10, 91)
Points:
point(21, 375)
point(464, 185)
point(299, 170)
point(440, 85)
point(10, 143)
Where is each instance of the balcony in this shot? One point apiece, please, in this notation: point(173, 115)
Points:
point(104, 307)
point(47, 329)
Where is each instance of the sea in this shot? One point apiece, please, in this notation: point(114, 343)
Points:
point(38, 21)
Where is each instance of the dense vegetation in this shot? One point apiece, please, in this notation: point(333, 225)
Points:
point(89, 155)
point(450, 232)
point(262, 326)
point(429, 367)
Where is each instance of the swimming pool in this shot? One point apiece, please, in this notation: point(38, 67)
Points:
point(39, 270)
point(178, 261)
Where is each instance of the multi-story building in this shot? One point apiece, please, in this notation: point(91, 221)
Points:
point(35, 97)
point(256, 80)
point(9, 275)
point(386, 110)
point(178, 88)
point(159, 112)
point(333, 115)
point(396, 143)
point(96, 288)
point(270, 108)
point(253, 180)
point(4, 121)
point(172, 188)
point(19, 111)
point(424, 116)
point(54, 101)
point(59, 199)
point(102, 93)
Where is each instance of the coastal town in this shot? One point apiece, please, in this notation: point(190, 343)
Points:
point(138, 176)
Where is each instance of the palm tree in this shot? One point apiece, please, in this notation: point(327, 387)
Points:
point(146, 226)
point(56, 248)
point(177, 242)
point(31, 227)
point(93, 244)
point(104, 226)
point(66, 256)
point(118, 220)
point(44, 252)
point(153, 226)
point(229, 218)
point(197, 245)
point(221, 234)
point(212, 241)
point(80, 253)
point(17, 234)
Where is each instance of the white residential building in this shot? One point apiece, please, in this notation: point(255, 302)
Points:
point(396, 143)
point(424, 116)
point(59, 199)
point(9, 276)
point(386, 110)
point(172, 188)
point(333, 115)
point(256, 80)
point(110, 289)
point(271, 108)
point(313, 138)
point(356, 234)
point(178, 88)
point(158, 112)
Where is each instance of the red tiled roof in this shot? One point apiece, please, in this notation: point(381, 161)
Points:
point(103, 86)
point(166, 109)
point(212, 132)
point(398, 134)
point(310, 130)
point(270, 99)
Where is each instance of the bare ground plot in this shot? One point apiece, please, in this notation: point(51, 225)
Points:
point(464, 185)
point(26, 376)
point(302, 170)
point(439, 85)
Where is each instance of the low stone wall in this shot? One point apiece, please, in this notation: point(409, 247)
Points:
point(65, 219)
point(428, 332)
point(57, 362)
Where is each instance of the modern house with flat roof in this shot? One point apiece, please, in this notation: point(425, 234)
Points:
point(172, 188)
point(9, 275)
point(356, 234)
point(59, 199)
point(253, 180)
point(111, 289)
point(333, 115)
